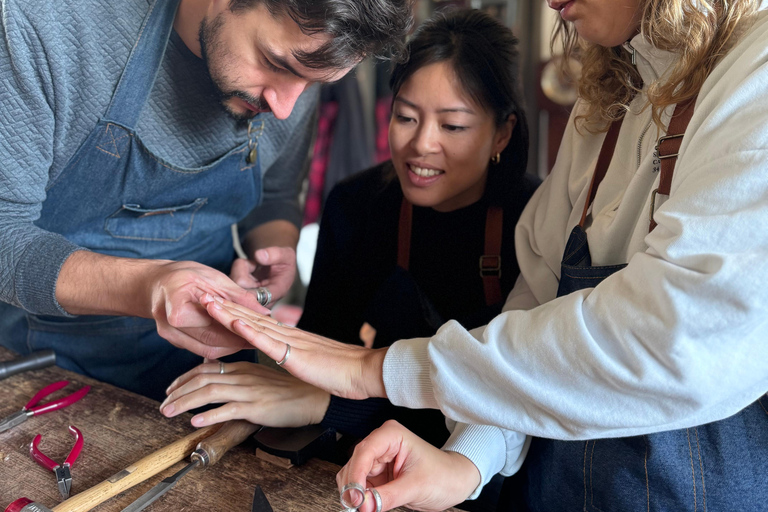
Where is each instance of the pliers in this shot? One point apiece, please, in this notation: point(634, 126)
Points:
point(29, 410)
point(62, 471)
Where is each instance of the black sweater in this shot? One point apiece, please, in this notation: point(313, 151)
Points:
point(357, 252)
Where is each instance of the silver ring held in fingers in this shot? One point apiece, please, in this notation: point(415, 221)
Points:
point(221, 367)
point(285, 357)
point(376, 498)
point(263, 295)
point(352, 504)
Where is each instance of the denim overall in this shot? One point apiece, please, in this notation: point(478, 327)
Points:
point(115, 197)
point(720, 466)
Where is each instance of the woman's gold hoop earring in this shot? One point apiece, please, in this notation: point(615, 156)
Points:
point(496, 159)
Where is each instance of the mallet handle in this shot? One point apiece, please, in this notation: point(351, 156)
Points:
point(147, 467)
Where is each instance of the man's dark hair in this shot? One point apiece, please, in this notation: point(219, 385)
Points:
point(483, 55)
point(358, 28)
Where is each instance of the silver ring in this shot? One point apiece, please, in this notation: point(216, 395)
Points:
point(263, 295)
point(376, 498)
point(221, 367)
point(349, 487)
point(285, 357)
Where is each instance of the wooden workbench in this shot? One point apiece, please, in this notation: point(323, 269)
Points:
point(119, 428)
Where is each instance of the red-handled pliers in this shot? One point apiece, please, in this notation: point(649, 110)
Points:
point(62, 471)
point(29, 410)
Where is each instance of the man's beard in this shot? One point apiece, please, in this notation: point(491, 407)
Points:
point(212, 52)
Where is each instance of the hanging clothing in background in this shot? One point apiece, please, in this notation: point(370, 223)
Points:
point(343, 146)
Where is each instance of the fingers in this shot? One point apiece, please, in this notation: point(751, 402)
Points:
point(275, 256)
point(242, 273)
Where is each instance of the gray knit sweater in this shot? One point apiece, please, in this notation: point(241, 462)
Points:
point(59, 64)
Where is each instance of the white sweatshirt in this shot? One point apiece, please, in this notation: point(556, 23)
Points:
point(678, 338)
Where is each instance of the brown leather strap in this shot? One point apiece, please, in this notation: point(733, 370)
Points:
point(668, 148)
point(404, 234)
point(490, 261)
point(603, 161)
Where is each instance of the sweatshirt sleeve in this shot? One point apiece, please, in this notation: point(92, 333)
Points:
point(674, 340)
point(30, 258)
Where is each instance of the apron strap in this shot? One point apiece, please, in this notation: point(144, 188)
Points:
point(603, 161)
point(490, 261)
point(668, 148)
point(143, 64)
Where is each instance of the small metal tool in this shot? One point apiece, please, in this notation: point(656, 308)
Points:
point(62, 471)
point(30, 410)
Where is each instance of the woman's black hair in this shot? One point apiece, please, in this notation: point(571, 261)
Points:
point(483, 54)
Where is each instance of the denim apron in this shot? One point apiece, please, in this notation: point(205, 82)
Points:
point(720, 466)
point(115, 197)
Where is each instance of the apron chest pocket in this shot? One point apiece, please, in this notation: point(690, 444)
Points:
point(168, 224)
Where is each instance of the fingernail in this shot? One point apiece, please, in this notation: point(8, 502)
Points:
point(197, 421)
point(218, 299)
point(168, 410)
point(216, 305)
point(263, 255)
point(206, 298)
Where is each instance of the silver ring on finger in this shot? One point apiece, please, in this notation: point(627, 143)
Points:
point(285, 357)
point(376, 498)
point(352, 504)
point(221, 367)
point(263, 295)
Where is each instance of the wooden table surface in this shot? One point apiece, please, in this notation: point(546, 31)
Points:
point(119, 428)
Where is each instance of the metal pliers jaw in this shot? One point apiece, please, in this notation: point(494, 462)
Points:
point(15, 419)
point(62, 471)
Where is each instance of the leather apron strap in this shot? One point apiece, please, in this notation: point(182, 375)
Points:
point(490, 261)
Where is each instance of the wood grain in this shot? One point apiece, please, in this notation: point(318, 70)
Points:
point(119, 429)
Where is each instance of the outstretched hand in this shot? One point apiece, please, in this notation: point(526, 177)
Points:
point(175, 290)
point(341, 369)
point(249, 392)
point(408, 471)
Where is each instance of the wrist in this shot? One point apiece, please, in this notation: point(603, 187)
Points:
point(97, 284)
point(373, 373)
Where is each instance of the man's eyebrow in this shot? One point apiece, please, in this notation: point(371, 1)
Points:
point(282, 62)
point(441, 111)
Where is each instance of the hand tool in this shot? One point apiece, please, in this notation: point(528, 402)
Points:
point(299, 444)
point(29, 410)
point(62, 471)
point(134, 474)
point(260, 502)
point(207, 453)
point(33, 361)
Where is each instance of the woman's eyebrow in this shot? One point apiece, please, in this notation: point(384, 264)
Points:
point(441, 111)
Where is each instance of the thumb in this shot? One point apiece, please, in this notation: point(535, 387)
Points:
point(264, 256)
point(395, 493)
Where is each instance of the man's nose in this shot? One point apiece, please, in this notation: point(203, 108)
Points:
point(282, 98)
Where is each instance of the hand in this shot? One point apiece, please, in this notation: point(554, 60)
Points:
point(408, 471)
point(348, 371)
point(175, 290)
point(250, 392)
point(273, 268)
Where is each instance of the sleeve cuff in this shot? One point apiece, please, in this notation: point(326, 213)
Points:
point(484, 445)
point(406, 375)
point(38, 272)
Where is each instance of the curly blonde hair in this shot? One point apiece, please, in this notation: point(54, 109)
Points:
point(700, 31)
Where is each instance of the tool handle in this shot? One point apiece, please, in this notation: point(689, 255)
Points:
point(47, 390)
point(232, 433)
point(74, 453)
point(33, 361)
point(39, 456)
point(62, 402)
point(147, 467)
